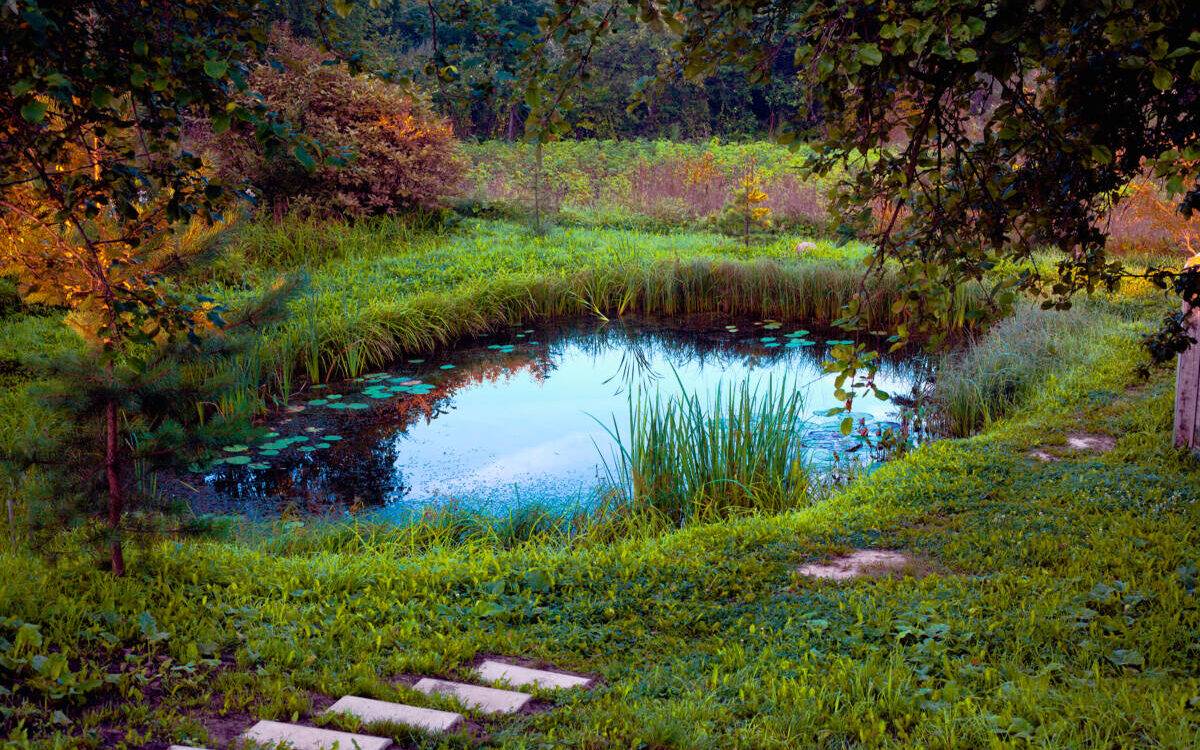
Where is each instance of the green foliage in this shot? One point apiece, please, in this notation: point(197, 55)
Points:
point(1059, 610)
point(991, 142)
point(647, 184)
point(693, 461)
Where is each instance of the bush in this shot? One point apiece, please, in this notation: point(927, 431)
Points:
point(397, 154)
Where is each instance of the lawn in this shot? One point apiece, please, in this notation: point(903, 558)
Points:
point(1056, 604)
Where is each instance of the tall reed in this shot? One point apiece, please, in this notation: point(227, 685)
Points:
point(692, 460)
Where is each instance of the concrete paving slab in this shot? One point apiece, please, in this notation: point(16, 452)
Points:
point(370, 710)
point(274, 733)
point(518, 676)
point(484, 699)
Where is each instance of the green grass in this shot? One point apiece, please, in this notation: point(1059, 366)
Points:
point(379, 290)
point(690, 460)
point(1063, 612)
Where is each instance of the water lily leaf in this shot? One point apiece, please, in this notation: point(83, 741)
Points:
point(318, 402)
point(771, 344)
point(322, 446)
point(417, 361)
point(356, 405)
point(238, 448)
point(767, 339)
point(237, 460)
point(334, 396)
point(494, 346)
point(447, 367)
point(270, 453)
point(259, 465)
point(307, 448)
point(331, 437)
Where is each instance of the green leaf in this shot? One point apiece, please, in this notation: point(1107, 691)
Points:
point(847, 425)
point(1163, 79)
point(101, 96)
point(34, 111)
point(967, 55)
point(869, 54)
point(304, 157)
point(215, 68)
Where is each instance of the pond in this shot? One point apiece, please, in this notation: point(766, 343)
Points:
point(522, 418)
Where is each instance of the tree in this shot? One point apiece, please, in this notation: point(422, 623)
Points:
point(984, 132)
point(94, 177)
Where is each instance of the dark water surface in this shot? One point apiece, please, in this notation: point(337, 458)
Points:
point(518, 418)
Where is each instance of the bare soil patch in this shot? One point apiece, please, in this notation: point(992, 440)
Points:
point(864, 563)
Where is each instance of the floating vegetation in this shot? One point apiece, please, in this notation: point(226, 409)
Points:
point(422, 452)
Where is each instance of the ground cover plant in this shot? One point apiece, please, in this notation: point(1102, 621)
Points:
point(961, 184)
point(1059, 609)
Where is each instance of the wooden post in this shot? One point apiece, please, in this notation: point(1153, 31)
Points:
point(1187, 386)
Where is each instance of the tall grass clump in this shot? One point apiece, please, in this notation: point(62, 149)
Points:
point(691, 460)
point(996, 374)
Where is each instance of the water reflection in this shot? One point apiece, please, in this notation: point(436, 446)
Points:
point(517, 418)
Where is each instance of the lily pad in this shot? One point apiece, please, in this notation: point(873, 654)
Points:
point(270, 453)
point(357, 405)
point(307, 448)
point(417, 361)
point(318, 402)
point(237, 460)
point(237, 448)
point(334, 396)
point(259, 465)
point(767, 339)
point(771, 344)
point(322, 446)
point(446, 367)
point(328, 438)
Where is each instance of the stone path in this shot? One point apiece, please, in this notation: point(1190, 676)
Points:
point(487, 700)
point(483, 699)
point(274, 733)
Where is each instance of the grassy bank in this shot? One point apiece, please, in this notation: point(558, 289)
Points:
point(1061, 611)
point(379, 290)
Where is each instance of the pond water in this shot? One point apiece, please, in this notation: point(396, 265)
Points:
point(519, 418)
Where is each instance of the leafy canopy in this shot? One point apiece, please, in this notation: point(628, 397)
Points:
point(975, 133)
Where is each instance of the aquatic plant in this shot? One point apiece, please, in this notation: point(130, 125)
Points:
point(688, 459)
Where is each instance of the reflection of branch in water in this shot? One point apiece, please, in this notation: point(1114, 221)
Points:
point(635, 361)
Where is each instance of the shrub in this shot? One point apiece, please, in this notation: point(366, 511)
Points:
point(387, 151)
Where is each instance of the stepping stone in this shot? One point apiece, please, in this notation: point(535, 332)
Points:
point(498, 671)
point(274, 733)
point(369, 711)
point(484, 699)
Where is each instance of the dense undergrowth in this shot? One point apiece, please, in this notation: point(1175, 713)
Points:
point(1060, 610)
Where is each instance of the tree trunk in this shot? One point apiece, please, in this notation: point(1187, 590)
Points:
point(116, 498)
point(1187, 386)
